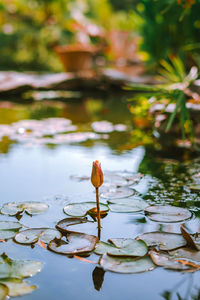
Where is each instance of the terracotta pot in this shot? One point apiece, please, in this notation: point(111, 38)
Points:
point(75, 57)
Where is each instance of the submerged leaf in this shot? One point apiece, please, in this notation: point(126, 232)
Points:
point(126, 264)
point(31, 208)
point(32, 235)
point(163, 240)
point(122, 247)
point(167, 214)
point(81, 209)
point(75, 243)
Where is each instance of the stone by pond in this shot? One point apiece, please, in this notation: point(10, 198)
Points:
point(58, 176)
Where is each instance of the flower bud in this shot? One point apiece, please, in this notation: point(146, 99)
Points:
point(97, 174)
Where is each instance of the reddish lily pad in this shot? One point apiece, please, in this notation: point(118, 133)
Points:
point(32, 235)
point(74, 243)
point(167, 214)
point(163, 240)
point(126, 265)
point(122, 247)
point(167, 261)
point(131, 204)
point(31, 208)
point(76, 225)
point(81, 209)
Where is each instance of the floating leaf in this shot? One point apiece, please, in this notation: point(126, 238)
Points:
point(81, 209)
point(167, 214)
point(194, 188)
point(126, 264)
point(32, 235)
point(76, 225)
point(74, 243)
point(122, 247)
point(163, 240)
point(117, 193)
point(31, 208)
point(3, 291)
point(167, 261)
point(18, 287)
point(127, 205)
point(188, 238)
point(18, 268)
point(8, 229)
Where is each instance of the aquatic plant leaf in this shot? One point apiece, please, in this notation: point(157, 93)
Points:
point(102, 127)
point(31, 208)
point(32, 235)
point(167, 261)
point(163, 240)
point(76, 225)
point(8, 229)
point(167, 214)
point(195, 188)
point(74, 243)
point(98, 278)
point(126, 264)
point(188, 238)
point(3, 291)
point(117, 193)
point(18, 268)
point(187, 254)
point(127, 205)
point(122, 247)
point(81, 209)
point(18, 287)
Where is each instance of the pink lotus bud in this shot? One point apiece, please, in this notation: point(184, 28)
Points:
point(97, 174)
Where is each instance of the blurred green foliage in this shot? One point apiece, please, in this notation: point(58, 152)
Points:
point(29, 29)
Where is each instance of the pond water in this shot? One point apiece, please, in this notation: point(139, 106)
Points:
point(45, 167)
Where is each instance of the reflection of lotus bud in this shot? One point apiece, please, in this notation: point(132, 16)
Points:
point(97, 175)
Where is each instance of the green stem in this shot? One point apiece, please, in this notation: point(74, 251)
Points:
point(98, 213)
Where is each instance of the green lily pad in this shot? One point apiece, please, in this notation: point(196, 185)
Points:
point(167, 214)
point(126, 264)
point(76, 225)
point(3, 291)
point(121, 247)
point(8, 229)
point(74, 243)
point(194, 188)
point(167, 261)
point(18, 268)
point(117, 193)
point(163, 240)
point(32, 235)
point(127, 205)
point(81, 209)
point(31, 208)
point(18, 287)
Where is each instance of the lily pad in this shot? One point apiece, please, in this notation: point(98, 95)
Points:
point(32, 235)
point(126, 264)
point(167, 214)
point(122, 247)
point(18, 268)
point(76, 225)
point(81, 209)
point(31, 208)
point(167, 261)
point(3, 291)
point(163, 240)
point(194, 188)
point(127, 205)
point(74, 243)
point(8, 229)
point(186, 253)
point(18, 287)
point(117, 193)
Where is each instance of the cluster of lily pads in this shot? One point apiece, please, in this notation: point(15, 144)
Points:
point(56, 131)
point(76, 235)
